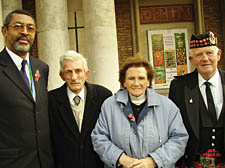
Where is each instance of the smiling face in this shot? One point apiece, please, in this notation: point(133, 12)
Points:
point(18, 34)
point(136, 81)
point(74, 75)
point(205, 60)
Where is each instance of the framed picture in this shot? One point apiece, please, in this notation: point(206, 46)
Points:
point(168, 54)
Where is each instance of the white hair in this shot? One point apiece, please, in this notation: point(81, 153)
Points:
point(191, 50)
point(73, 56)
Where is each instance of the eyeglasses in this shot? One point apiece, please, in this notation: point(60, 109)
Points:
point(20, 27)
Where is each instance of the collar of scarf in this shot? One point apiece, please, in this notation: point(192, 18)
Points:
point(138, 100)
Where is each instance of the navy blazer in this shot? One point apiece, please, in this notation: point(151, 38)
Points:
point(72, 148)
point(24, 124)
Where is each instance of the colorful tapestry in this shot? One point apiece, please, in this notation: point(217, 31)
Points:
point(168, 55)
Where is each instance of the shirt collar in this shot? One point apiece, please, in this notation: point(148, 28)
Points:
point(71, 95)
point(17, 59)
point(213, 80)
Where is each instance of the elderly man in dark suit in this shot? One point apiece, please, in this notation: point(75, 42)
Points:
point(74, 109)
point(24, 124)
point(200, 97)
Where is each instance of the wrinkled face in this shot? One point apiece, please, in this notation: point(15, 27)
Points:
point(20, 34)
point(136, 81)
point(205, 59)
point(74, 75)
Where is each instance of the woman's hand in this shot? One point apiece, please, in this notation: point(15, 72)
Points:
point(129, 162)
point(126, 160)
point(144, 163)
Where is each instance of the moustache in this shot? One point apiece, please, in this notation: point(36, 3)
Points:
point(23, 37)
point(75, 82)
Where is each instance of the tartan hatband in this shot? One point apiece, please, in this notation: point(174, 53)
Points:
point(202, 40)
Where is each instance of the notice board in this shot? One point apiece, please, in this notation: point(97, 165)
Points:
point(168, 54)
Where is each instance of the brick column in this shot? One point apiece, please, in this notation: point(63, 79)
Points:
point(10, 5)
point(101, 42)
point(52, 35)
point(1, 24)
point(7, 6)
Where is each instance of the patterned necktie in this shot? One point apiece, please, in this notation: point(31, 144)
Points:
point(77, 100)
point(23, 73)
point(211, 105)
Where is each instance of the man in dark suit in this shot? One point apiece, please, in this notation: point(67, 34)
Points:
point(200, 97)
point(74, 109)
point(24, 124)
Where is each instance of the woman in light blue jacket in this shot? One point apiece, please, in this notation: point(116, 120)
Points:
point(138, 127)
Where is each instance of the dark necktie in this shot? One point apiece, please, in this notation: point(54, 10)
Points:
point(77, 100)
point(23, 73)
point(211, 105)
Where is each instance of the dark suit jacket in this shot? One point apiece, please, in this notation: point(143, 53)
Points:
point(24, 124)
point(72, 148)
point(184, 93)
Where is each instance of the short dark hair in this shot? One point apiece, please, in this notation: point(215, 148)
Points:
point(136, 61)
point(17, 11)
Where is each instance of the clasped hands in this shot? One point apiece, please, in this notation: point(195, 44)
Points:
point(129, 162)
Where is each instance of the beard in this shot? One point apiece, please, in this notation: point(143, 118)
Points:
point(24, 48)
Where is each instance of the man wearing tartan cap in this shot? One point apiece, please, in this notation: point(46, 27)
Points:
point(203, 117)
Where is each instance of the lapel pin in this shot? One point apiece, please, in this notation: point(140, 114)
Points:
point(190, 101)
point(37, 75)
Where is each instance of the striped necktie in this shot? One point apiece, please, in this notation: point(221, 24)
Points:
point(23, 73)
point(77, 100)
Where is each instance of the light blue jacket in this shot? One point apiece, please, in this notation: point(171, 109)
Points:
point(159, 132)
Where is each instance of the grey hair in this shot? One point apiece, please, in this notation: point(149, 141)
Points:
point(191, 50)
point(73, 56)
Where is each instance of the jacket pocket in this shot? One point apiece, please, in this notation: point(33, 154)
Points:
point(9, 153)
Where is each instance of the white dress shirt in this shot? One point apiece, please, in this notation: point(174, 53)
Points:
point(18, 62)
point(216, 89)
